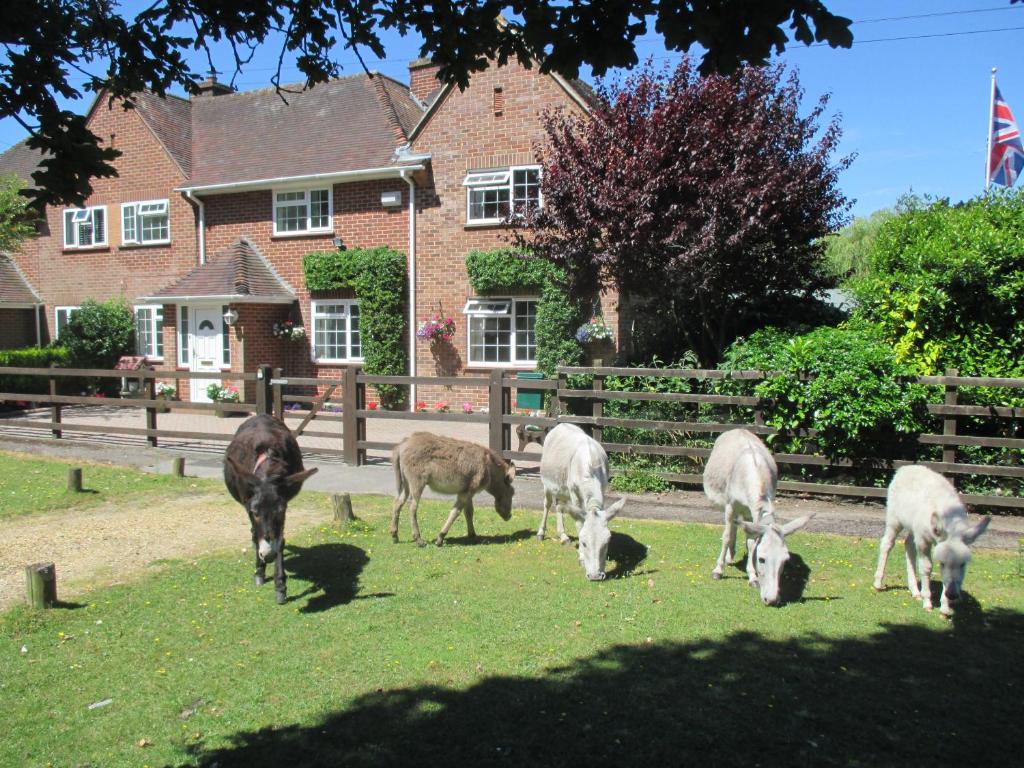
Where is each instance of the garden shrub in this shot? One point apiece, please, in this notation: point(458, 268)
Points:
point(378, 276)
point(99, 333)
point(29, 357)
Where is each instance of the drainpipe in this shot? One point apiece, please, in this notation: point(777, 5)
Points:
point(412, 284)
point(201, 226)
point(39, 330)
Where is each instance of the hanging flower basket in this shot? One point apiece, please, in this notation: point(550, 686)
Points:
point(287, 329)
point(436, 328)
point(594, 331)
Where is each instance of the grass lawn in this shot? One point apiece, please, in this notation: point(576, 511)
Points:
point(29, 485)
point(501, 653)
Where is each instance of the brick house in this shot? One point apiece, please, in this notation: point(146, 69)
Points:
point(219, 197)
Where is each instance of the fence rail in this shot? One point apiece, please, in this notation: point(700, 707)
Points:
point(276, 392)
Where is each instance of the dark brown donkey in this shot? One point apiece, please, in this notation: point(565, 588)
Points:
point(263, 471)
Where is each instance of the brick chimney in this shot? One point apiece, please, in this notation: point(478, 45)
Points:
point(210, 87)
point(423, 78)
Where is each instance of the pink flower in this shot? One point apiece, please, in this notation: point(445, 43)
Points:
point(467, 407)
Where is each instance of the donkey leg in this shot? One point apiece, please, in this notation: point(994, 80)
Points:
point(751, 569)
point(459, 502)
point(468, 512)
point(260, 574)
point(400, 499)
point(280, 578)
point(548, 501)
point(884, 547)
point(413, 507)
point(560, 519)
point(911, 548)
point(924, 558)
point(728, 543)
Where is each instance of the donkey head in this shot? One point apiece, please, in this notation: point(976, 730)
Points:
point(266, 497)
point(953, 553)
point(502, 490)
point(594, 538)
point(771, 553)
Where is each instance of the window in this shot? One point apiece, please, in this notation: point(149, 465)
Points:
point(225, 335)
point(62, 316)
point(336, 336)
point(183, 337)
point(492, 195)
point(145, 223)
point(304, 210)
point(85, 227)
point(502, 331)
point(149, 331)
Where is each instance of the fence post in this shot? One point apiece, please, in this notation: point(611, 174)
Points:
point(349, 423)
point(264, 396)
point(949, 421)
point(149, 389)
point(55, 416)
point(360, 420)
point(278, 394)
point(496, 411)
point(597, 406)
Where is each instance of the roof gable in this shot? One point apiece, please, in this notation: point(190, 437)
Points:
point(14, 286)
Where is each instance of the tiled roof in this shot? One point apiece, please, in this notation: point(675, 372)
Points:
point(240, 273)
point(21, 161)
point(14, 287)
point(339, 126)
point(170, 119)
point(406, 109)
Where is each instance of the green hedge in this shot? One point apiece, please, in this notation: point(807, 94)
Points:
point(378, 276)
point(512, 271)
point(30, 357)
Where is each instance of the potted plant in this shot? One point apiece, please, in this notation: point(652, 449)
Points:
point(436, 328)
point(165, 391)
point(222, 393)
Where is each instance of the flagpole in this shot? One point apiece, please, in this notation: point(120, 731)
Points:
point(991, 111)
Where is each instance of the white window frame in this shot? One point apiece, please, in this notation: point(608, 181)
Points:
point(315, 313)
point(504, 306)
point(80, 216)
point(496, 180)
point(183, 342)
point(56, 318)
point(306, 194)
point(156, 324)
point(141, 210)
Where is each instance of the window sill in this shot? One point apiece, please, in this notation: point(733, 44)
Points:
point(523, 366)
point(340, 363)
point(86, 248)
point(485, 224)
point(133, 246)
point(309, 233)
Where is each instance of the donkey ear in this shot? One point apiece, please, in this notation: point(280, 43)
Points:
point(613, 510)
point(510, 473)
point(936, 524)
point(975, 531)
point(754, 529)
point(795, 525)
point(300, 477)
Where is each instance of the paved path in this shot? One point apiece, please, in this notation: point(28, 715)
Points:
point(841, 517)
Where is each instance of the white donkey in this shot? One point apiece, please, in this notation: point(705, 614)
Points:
point(927, 506)
point(740, 477)
point(574, 471)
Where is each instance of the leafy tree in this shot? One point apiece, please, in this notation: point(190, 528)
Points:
point(17, 220)
point(847, 251)
point(48, 42)
point(945, 285)
point(98, 333)
point(705, 198)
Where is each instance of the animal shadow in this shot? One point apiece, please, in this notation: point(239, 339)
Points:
point(627, 553)
point(501, 538)
point(332, 571)
point(794, 580)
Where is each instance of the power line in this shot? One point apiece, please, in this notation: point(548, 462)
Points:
point(936, 14)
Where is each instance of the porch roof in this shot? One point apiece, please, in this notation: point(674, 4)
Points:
point(15, 290)
point(240, 274)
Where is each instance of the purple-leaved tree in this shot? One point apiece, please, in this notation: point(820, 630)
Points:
point(703, 198)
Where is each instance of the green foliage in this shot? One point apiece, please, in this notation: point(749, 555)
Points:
point(512, 271)
point(847, 252)
point(946, 284)
point(30, 357)
point(98, 333)
point(378, 276)
point(640, 475)
point(845, 384)
point(17, 217)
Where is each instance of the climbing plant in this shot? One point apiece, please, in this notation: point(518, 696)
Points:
point(509, 271)
point(378, 277)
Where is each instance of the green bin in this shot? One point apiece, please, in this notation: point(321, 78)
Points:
point(529, 399)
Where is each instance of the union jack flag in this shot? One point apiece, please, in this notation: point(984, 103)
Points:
point(1007, 158)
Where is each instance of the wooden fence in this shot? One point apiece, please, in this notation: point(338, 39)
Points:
point(584, 405)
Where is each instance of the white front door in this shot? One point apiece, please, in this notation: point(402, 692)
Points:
point(206, 344)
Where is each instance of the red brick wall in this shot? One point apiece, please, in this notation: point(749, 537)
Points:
point(17, 328)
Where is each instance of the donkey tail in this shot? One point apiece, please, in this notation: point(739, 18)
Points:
point(396, 460)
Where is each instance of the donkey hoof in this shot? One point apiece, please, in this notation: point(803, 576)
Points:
point(876, 587)
point(282, 598)
point(439, 541)
point(716, 576)
point(420, 542)
point(563, 539)
point(259, 580)
point(394, 538)
point(540, 537)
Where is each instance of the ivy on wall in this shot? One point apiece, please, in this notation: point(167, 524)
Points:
point(511, 271)
point(378, 277)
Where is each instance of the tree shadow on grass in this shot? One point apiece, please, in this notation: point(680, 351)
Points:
point(902, 696)
point(332, 571)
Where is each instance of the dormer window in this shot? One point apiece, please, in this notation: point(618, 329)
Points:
point(145, 223)
point(302, 210)
point(85, 227)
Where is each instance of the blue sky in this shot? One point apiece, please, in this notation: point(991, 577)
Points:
point(913, 92)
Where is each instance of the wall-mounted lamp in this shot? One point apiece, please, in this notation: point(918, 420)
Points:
point(339, 244)
point(230, 317)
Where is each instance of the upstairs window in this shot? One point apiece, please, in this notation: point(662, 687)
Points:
point(303, 210)
point(85, 227)
point(145, 223)
point(502, 331)
point(149, 331)
point(492, 195)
